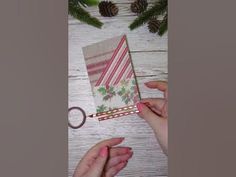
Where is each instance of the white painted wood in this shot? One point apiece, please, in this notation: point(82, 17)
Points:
point(149, 56)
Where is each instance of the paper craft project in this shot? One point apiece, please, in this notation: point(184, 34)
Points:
point(111, 74)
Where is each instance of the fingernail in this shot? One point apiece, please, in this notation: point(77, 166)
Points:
point(139, 106)
point(103, 152)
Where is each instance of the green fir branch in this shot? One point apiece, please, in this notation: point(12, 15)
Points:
point(158, 9)
point(76, 11)
point(163, 26)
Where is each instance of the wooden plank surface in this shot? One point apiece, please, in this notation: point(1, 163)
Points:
point(149, 56)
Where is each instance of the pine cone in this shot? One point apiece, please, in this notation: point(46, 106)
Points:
point(139, 6)
point(154, 25)
point(108, 9)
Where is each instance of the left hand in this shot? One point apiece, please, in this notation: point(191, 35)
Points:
point(104, 160)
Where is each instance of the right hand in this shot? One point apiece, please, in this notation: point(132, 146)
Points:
point(155, 112)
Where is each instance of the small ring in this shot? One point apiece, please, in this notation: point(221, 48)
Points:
point(84, 117)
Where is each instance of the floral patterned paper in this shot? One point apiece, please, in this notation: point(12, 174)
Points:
point(111, 97)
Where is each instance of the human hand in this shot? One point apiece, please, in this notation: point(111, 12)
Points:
point(155, 112)
point(104, 160)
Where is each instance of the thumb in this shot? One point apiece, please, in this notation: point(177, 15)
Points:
point(152, 119)
point(98, 166)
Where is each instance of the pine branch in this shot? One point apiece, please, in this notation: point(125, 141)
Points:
point(79, 13)
point(158, 9)
point(163, 26)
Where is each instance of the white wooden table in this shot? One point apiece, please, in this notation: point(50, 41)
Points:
point(149, 56)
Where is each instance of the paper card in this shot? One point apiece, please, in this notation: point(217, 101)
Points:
point(111, 74)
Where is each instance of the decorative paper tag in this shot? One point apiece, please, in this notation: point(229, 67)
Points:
point(111, 74)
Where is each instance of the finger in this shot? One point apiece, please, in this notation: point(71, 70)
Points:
point(152, 119)
point(164, 112)
point(94, 151)
point(109, 142)
point(160, 85)
point(115, 170)
point(157, 103)
point(116, 151)
point(97, 167)
point(118, 159)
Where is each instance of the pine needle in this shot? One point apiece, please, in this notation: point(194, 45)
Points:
point(89, 2)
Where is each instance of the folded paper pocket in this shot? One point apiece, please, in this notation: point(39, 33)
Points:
point(111, 74)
